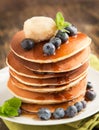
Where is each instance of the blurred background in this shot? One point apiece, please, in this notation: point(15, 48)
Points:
point(82, 13)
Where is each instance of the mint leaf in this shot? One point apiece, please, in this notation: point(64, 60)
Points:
point(4, 107)
point(10, 107)
point(14, 102)
point(60, 22)
point(67, 24)
point(11, 111)
point(1, 113)
point(59, 19)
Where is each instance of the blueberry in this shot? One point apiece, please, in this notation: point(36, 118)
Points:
point(79, 106)
point(27, 44)
point(71, 111)
point(49, 49)
point(84, 103)
point(72, 30)
point(59, 113)
point(44, 113)
point(62, 35)
point(90, 95)
point(56, 42)
point(89, 85)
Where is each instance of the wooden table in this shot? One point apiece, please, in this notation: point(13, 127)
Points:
point(82, 13)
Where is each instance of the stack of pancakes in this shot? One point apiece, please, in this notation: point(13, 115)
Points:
point(49, 81)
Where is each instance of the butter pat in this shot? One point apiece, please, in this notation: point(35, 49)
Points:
point(39, 28)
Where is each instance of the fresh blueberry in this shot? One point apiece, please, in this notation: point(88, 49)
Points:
point(89, 85)
point(44, 113)
point(49, 49)
point(59, 113)
point(71, 111)
point(72, 30)
point(56, 42)
point(90, 95)
point(79, 106)
point(62, 35)
point(84, 103)
point(27, 44)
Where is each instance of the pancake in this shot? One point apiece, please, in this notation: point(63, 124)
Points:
point(49, 81)
point(43, 89)
point(49, 98)
point(20, 69)
point(33, 108)
point(75, 45)
point(62, 66)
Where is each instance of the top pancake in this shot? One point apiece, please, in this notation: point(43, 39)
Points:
point(66, 50)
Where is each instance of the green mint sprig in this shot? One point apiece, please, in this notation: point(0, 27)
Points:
point(10, 107)
point(61, 23)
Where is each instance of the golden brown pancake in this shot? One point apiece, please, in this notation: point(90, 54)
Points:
point(49, 81)
point(49, 98)
point(18, 67)
point(75, 45)
point(33, 108)
point(61, 66)
point(44, 89)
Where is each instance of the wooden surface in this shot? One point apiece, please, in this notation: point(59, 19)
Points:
point(82, 13)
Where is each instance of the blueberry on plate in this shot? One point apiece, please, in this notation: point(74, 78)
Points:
point(62, 35)
point(89, 85)
point(79, 106)
point(56, 41)
point(59, 113)
point(90, 95)
point(44, 113)
point(84, 103)
point(49, 49)
point(71, 111)
point(27, 44)
point(72, 30)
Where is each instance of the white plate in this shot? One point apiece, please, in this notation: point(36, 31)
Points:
point(92, 107)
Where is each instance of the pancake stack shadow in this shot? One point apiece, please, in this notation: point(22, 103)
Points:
point(49, 81)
